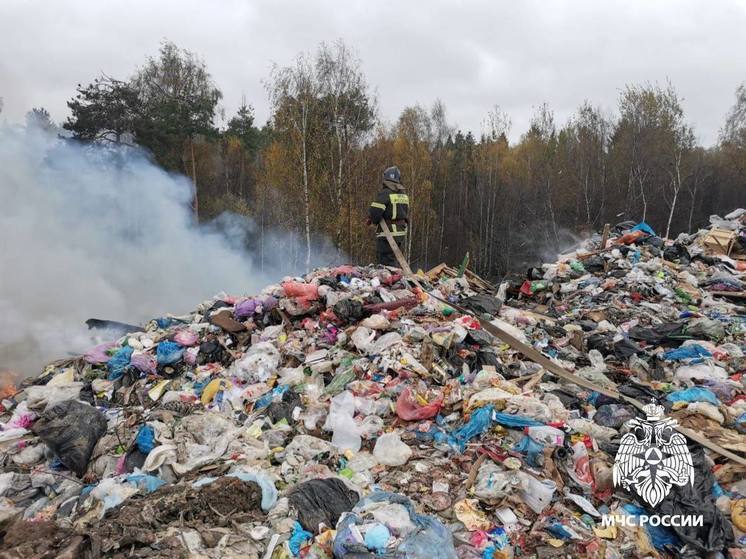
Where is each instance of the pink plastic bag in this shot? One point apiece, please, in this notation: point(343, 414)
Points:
point(97, 355)
point(409, 409)
point(304, 292)
point(144, 362)
point(185, 337)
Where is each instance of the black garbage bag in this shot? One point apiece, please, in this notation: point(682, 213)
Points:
point(284, 408)
point(653, 241)
point(716, 533)
point(488, 357)
point(71, 429)
point(677, 253)
point(601, 342)
point(625, 348)
point(483, 304)
point(321, 501)
point(331, 282)
point(613, 415)
point(349, 310)
point(480, 337)
point(210, 351)
point(644, 394)
point(594, 264)
point(667, 334)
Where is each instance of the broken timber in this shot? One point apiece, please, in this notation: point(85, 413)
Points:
point(537, 357)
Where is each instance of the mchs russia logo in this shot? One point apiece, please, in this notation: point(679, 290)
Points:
point(653, 457)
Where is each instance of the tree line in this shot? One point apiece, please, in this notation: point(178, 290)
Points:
point(314, 167)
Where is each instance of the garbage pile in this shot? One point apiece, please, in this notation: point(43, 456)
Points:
point(356, 413)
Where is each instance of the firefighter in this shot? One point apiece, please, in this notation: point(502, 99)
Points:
point(391, 205)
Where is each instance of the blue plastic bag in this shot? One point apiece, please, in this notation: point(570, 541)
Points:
point(144, 481)
point(531, 449)
point(145, 439)
point(298, 538)
point(694, 394)
point(119, 362)
point(270, 396)
point(430, 540)
point(376, 538)
point(169, 353)
point(694, 351)
point(644, 227)
point(479, 422)
point(515, 421)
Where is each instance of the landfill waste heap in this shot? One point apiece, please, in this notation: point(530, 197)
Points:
point(357, 413)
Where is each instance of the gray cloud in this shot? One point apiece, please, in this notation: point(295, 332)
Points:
point(472, 55)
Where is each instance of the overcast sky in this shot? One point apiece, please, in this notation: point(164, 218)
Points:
point(472, 55)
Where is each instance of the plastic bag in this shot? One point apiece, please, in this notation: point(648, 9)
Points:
point(71, 429)
point(186, 338)
point(479, 422)
point(409, 408)
point(362, 338)
point(422, 536)
point(303, 292)
point(112, 493)
point(298, 538)
point(536, 493)
point(41, 396)
point(694, 394)
point(531, 448)
point(98, 354)
point(494, 483)
point(258, 363)
point(346, 433)
point(613, 415)
point(119, 362)
point(169, 353)
point(321, 501)
point(145, 439)
point(145, 482)
point(249, 307)
point(700, 371)
point(143, 362)
point(391, 451)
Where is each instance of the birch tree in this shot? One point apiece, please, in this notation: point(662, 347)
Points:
point(349, 111)
point(294, 94)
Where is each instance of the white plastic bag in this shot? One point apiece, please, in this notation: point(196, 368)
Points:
point(391, 451)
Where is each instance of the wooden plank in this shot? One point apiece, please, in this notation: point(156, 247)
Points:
point(605, 236)
point(537, 357)
point(437, 270)
point(403, 264)
point(735, 294)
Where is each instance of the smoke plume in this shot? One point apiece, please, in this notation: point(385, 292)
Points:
point(94, 231)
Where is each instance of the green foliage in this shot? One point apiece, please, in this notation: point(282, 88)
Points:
point(316, 165)
point(170, 100)
point(106, 109)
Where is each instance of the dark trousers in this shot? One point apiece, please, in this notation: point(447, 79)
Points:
point(384, 255)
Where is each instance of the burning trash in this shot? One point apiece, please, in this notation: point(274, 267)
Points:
point(362, 411)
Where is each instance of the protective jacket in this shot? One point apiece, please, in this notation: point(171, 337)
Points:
point(392, 205)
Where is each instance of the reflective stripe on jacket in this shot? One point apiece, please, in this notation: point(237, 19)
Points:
point(394, 208)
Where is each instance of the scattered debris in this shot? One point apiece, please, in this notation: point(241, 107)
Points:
point(372, 412)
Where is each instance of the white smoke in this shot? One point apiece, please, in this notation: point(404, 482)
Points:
point(92, 231)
